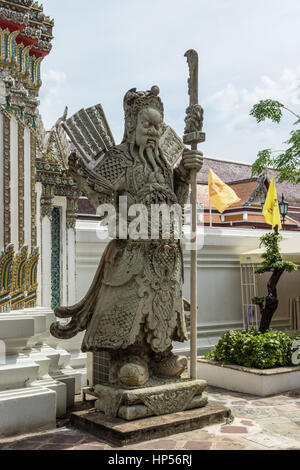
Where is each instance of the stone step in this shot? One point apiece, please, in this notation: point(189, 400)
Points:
point(121, 433)
point(25, 409)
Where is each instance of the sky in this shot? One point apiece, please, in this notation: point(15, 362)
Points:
point(248, 51)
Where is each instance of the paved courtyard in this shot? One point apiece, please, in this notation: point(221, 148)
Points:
point(259, 424)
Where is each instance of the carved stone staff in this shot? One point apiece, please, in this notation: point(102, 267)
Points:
point(193, 135)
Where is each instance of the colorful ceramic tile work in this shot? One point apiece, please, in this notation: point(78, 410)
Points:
point(55, 257)
point(25, 39)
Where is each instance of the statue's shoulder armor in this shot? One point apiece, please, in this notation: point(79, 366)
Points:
point(113, 164)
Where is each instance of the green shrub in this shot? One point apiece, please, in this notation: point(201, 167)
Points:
point(254, 349)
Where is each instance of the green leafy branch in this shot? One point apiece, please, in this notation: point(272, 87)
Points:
point(287, 163)
point(272, 260)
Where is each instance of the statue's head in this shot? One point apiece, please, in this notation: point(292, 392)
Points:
point(144, 114)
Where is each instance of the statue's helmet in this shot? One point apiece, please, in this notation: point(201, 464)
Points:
point(135, 101)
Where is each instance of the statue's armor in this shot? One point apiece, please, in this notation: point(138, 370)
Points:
point(141, 288)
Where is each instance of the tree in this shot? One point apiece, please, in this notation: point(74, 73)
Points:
point(287, 162)
point(272, 262)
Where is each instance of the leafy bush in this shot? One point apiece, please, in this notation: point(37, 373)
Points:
point(254, 349)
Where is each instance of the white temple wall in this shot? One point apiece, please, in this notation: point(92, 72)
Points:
point(219, 281)
point(14, 178)
point(288, 288)
point(27, 188)
point(1, 187)
point(89, 250)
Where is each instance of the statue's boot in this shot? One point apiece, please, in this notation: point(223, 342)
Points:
point(134, 373)
point(172, 366)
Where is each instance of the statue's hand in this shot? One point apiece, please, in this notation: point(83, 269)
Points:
point(192, 160)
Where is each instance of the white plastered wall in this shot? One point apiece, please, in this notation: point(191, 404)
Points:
point(219, 281)
point(287, 288)
point(14, 175)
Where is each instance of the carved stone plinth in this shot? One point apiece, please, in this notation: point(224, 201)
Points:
point(121, 432)
point(166, 398)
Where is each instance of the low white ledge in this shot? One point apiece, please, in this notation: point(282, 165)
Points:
point(246, 380)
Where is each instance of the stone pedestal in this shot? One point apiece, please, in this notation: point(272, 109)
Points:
point(121, 432)
point(156, 400)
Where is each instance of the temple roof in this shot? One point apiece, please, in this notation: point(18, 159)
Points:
point(250, 191)
point(229, 171)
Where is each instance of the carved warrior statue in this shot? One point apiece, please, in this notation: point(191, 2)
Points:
point(134, 307)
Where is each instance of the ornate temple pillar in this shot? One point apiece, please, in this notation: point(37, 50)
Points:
point(46, 243)
point(14, 186)
point(1, 185)
point(28, 195)
point(72, 362)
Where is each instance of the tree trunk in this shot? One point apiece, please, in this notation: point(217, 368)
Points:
point(271, 303)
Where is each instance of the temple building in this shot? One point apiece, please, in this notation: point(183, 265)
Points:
point(38, 377)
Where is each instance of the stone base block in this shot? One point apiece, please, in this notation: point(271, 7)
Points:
point(121, 433)
point(69, 381)
point(134, 403)
point(77, 375)
point(27, 409)
point(83, 372)
point(61, 395)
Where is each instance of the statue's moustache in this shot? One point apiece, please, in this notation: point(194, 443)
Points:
point(151, 155)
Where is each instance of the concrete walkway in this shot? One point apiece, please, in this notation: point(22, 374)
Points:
point(259, 424)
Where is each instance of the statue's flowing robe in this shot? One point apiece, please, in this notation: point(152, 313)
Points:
point(137, 290)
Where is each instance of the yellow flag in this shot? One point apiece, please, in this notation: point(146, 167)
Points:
point(271, 207)
point(221, 195)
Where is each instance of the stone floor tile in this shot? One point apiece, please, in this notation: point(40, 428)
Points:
point(283, 430)
point(55, 447)
point(273, 420)
point(295, 415)
point(253, 411)
point(247, 422)
point(260, 403)
point(23, 446)
point(239, 403)
point(89, 447)
point(197, 445)
point(161, 445)
point(234, 430)
point(233, 446)
point(271, 441)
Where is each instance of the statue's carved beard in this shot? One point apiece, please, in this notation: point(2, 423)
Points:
point(150, 154)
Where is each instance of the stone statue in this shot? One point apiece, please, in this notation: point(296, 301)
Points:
point(134, 308)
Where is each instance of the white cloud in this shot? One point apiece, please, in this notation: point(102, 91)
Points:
point(51, 96)
point(232, 104)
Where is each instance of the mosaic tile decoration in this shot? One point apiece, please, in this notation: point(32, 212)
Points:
point(56, 258)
